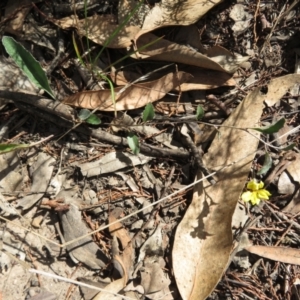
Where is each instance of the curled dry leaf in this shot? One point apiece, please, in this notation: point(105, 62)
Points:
point(229, 61)
point(124, 260)
point(203, 239)
point(282, 254)
point(288, 186)
point(100, 28)
point(41, 173)
point(111, 162)
point(17, 10)
point(205, 80)
point(217, 58)
point(176, 12)
point(114, 287)
point(84, 250)
point(200, 80)
point(294, 206)
point(133, 97)
point(168, 51)
point(10, 175)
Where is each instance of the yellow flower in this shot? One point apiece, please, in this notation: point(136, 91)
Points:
point(256, 192)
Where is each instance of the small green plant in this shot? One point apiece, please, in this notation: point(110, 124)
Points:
point(27, 63)
point(267, 164)
point(273, 128)
point(148, 113)
point(5, 148)
point(89, 117)
point(133, 143)
point(199, 112)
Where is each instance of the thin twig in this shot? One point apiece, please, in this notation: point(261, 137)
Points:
point(254, 26)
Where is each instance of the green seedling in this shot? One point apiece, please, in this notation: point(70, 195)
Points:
point(89, 117)
point(133, 143)
point(148, 113)
point(273, 128)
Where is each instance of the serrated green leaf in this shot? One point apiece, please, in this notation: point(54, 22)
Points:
point(27, 63)
point(266, 166)
point(271, 128)
point(5, 148)
point(148, 113)
point(133, 143)
point(199, 112)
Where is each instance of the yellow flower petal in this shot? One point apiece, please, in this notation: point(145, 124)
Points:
point(256, 193)
point(254, 185)
point(254, 198)
point(263, 194)
point(261, 185)
point(246, 196)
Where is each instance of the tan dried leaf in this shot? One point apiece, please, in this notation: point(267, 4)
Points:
point(176, 12)
point(135, 96)
point(203, 239)
point(200, 80)
point(99, 28)
point(168, 51)
point(282, 254)
point(18, 9)
point(126, 258)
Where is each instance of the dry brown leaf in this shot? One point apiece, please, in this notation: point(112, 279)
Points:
point(126, 258)
point(284, 255)
point(201, 79)
point(205, 79)
point(169, 107)
point(154, 280)
point(135, 96)
point(229, 61)
point(189, 35)
point(294, 206)
point(168, 51)
point(114, 287)
point(99, 28)
point(203, 239)
point(176, 12)
point(19, 10)
point(293, 170)
point(123, 77)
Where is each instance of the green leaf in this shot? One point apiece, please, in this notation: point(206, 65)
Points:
point(148, 113)
point(199, 112)
point(271, 128)
point(84, 114)
point(87, 116)
point(133, 143)
point(93, 120)
point(266, 166)
point(289, 147)
point(5, 148)
point(27, 63)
